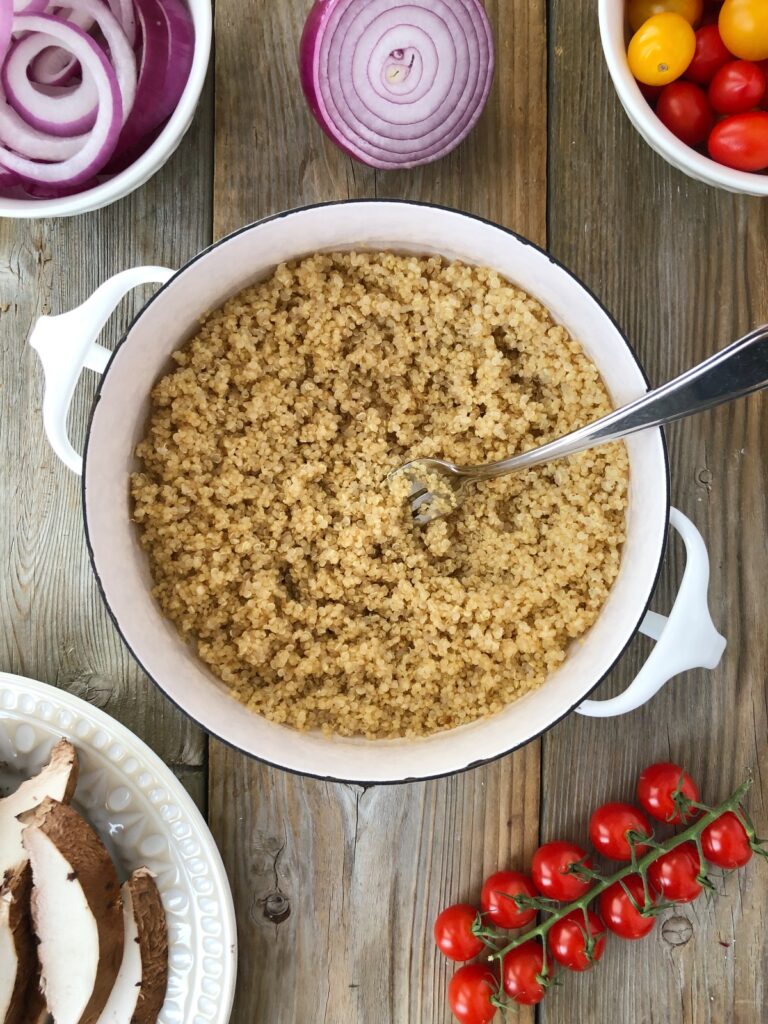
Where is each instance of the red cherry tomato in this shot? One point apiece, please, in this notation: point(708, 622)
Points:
point(619, 911)
point(567, 940)
point(520, 972)
point(469, 994)
point(453, 933)
point(741, 141)
point(551, 875)
point(709, 56)
point(675, 874)
point(737, 87)
point(497, 905)
point(684, 108)
point(725, 842)
point(609, 827)
point(656, 789)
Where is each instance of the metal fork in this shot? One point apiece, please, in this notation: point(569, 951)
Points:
point(436, 486)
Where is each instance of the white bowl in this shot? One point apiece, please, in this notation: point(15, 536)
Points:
point(149, 162)
point(613, 35)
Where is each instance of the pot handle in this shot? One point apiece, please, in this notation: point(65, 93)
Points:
point(687, 639)
point(66, 344)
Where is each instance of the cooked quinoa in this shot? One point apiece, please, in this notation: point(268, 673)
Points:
point(277, 549)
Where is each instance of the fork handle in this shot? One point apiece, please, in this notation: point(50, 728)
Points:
point(738, 370)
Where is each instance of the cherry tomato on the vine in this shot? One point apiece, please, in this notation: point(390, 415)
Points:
point(609, 827)
point(520, 972)
point(469, 994)
point(684, 108)
point(661, 49)
point(497, 904)
point(656, 789)
point(737, 87)
point(453, 933)
point(743, 25)
point(551, 874)
point(641, 10)
point(709, 56)
point(619, 912)
point(567, 940)
point(741, 141)
point(725, 842)
point(675, 874)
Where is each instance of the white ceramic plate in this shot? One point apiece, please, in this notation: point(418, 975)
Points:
point(145, 817)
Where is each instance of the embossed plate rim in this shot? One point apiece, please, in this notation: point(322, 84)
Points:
point(148, 763)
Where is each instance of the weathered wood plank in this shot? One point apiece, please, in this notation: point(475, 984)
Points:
point(682, 267)
point(53, 625)
point(363, 873)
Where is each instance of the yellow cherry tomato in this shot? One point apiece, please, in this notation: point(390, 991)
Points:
point(743, 26)
point(661, 49)
point(641, 10)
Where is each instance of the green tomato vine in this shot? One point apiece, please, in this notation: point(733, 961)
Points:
point(499, 944)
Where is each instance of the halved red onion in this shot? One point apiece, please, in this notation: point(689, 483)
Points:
point(100, 144)
point(397, 83)
point(28, 141)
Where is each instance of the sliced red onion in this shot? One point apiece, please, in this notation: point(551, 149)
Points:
point(397, 83)
point(120, 51)
point(68, 110)
point(28, 141)
point(55, 66)
point(126, 15)
point(101, 141)
point(29, 6)
point(167, 44)
point(6, 21)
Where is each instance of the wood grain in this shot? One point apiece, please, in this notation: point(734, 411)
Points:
point(362, 873)
point(682, 267)
point(53, 624)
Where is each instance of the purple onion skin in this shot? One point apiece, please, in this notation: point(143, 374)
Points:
point(311, 39)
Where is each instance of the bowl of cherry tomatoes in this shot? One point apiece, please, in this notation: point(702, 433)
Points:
point(692, 76)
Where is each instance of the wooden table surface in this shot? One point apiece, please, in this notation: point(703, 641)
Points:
point(336, 886)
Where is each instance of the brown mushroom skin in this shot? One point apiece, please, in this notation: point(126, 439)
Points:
point(26, 1001)
point(149, 913)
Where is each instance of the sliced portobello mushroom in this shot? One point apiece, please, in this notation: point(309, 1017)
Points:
point(57, 780)
point(139, 992)
point(76, 912)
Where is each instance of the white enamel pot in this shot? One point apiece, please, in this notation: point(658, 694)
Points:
point(67, 344)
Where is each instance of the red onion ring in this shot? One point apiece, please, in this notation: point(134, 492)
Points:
point(69, 111)
point(168, 41)
point(65, 111)
point(55, 66)
point(28, 141)
point(29, 6)
point(102, 139)
point(397, 83)
point(6, 23)
point(126, 15)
